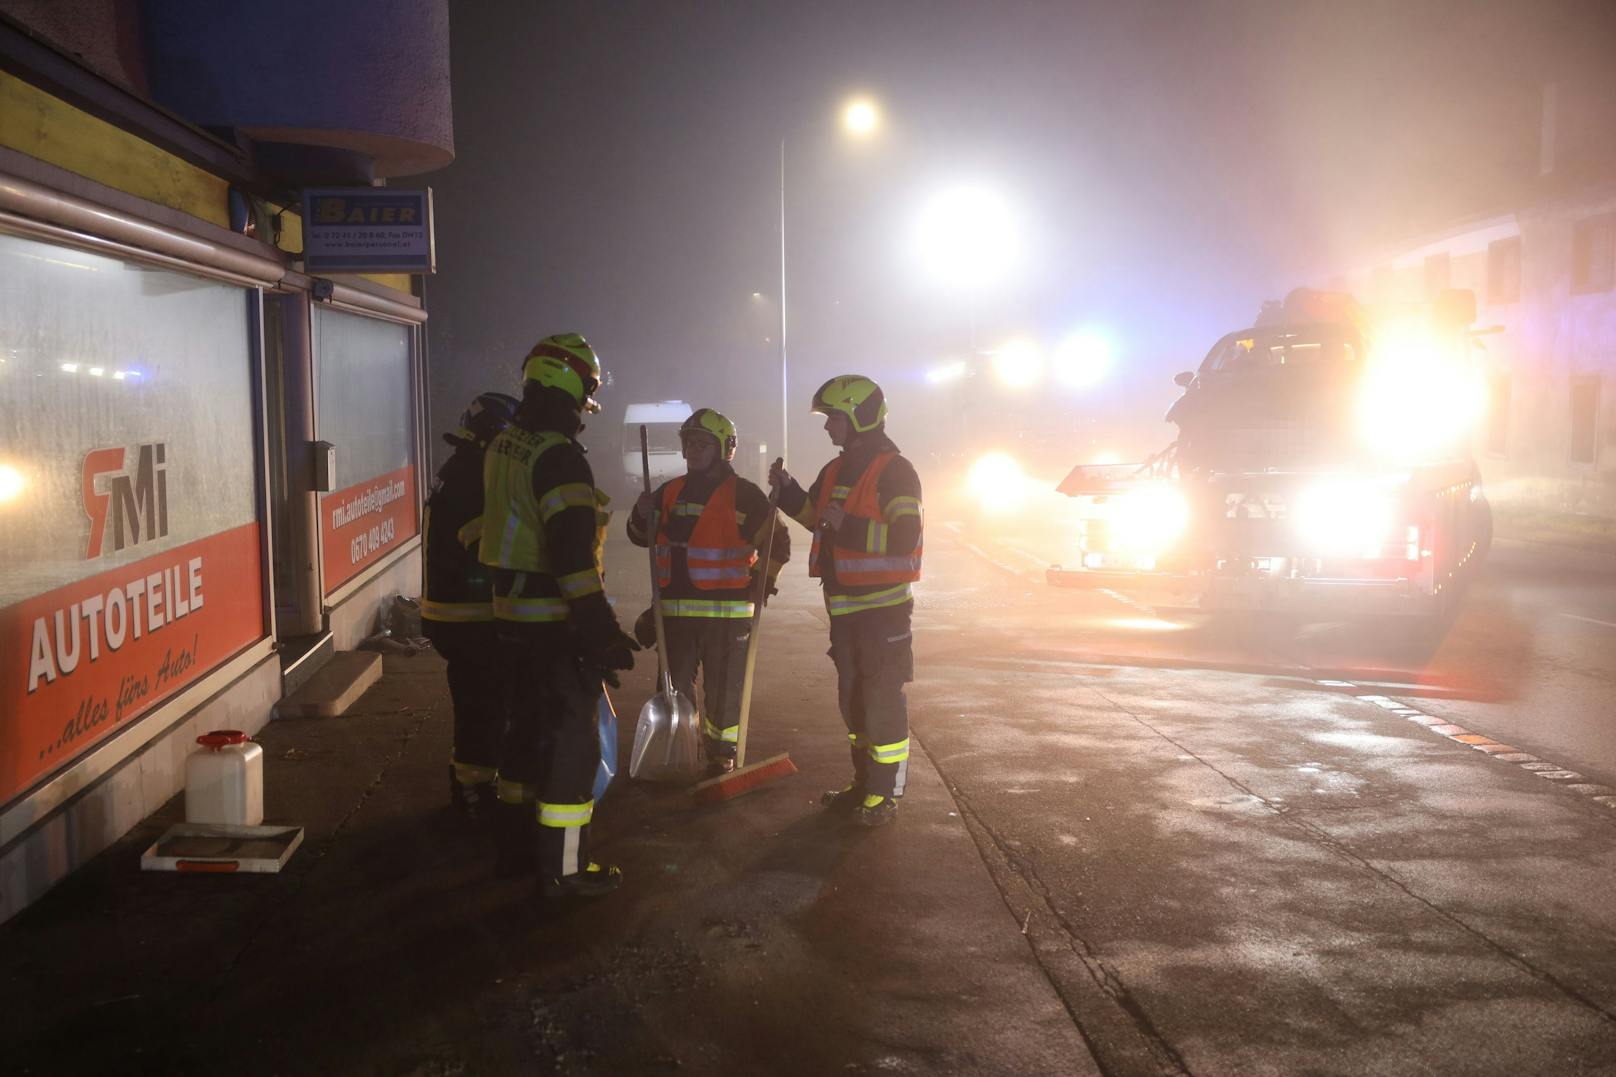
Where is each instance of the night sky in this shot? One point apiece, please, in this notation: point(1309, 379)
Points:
point(1169, 165)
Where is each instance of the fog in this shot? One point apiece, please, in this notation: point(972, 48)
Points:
point(1166, 166)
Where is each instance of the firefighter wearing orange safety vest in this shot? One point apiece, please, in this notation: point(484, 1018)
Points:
point(710, 523)
point(864, 512)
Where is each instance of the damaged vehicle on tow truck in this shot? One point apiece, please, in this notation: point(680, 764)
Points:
point(1322, 468)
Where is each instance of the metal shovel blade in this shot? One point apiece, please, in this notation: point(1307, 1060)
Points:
point(667, 742)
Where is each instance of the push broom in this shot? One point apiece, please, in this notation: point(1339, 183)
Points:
point(744, 779)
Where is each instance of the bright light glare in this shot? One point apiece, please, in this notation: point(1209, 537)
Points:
point(1417, 396)
point(70, 368)
point(1082, 359)
point(967, 238)
point(1019, 364)
point(950, 371)
point(860, 117)
point(997, 482)
point(11, 483)
point(1148, 520)
point(96, 371)
point(1345, 517)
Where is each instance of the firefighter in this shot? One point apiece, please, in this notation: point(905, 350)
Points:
point(457, 610)
point(864, 512)
point(544, 524)
point(710, 524)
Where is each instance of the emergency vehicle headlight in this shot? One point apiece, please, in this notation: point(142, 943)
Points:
point(1345, 517)
point(1417, 396)
point(1149, 519)
point(997, 483)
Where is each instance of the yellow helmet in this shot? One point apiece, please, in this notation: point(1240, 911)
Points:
point(855, 396)
point(708, 421)
point(565, 361)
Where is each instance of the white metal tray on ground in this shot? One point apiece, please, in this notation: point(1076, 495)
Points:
point(222, 848)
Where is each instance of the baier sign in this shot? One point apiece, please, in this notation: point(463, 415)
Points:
point(87, 659)
point(361, 524)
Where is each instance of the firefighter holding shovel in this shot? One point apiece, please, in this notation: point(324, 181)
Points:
point(710, 524)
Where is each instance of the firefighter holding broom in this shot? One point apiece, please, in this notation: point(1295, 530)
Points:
point(864, 512)
point(711, 524)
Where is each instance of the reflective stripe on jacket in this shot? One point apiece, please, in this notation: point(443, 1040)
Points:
point(867, 567)
point(717, 556)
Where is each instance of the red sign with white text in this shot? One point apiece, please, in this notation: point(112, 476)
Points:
point(360, 524)
point(87, 659)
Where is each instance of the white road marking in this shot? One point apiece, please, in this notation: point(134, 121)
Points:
point(1590, 620)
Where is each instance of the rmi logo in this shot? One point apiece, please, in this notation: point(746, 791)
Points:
point(136, 502)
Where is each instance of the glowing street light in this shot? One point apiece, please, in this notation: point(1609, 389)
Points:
point(1082, 359)
point(860, 117)
point(967, 237)
point(1019, 364)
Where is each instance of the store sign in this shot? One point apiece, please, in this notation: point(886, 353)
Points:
point(360, 524)
point(89, 658)
point(368, 230)
point(135, 498)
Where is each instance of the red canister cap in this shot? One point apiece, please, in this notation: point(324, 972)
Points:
point(222, 738)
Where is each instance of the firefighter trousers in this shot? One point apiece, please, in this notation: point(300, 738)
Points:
point(551, 747)
point(471, 651)
point(716, 647)
point(874, 657)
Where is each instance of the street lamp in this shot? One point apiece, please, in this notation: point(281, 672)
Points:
point(966, 241)
point(860, 119)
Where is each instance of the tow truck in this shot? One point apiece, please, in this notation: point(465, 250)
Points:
point(1322, 466)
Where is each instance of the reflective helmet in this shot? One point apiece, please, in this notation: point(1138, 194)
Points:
point(483, 418)
point(855, 396)
point(708, 421)
point(565, 361)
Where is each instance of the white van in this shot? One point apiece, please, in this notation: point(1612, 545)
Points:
point(661, 422)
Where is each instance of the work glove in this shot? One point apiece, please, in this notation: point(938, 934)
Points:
point(612, 656)
point(602, 644)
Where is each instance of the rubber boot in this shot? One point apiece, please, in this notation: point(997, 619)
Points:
point(843, 801)
point(595, 880)
point(473, 803)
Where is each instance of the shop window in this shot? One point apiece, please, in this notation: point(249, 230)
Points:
point(1593, 254)
point(1438, 274)
point(1584, 419)
point(128, 495)
point(366, 408)
point(1504, 270)
point(1498, 405)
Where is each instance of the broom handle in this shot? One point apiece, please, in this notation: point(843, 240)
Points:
point(757, 622)
point(666, 676)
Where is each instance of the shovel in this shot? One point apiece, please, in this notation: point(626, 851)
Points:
point(667, 740)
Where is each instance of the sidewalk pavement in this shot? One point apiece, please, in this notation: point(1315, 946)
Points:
point(756, 936)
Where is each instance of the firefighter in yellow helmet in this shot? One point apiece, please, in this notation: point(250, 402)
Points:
point(710, 524)
point(544, 524)
point(864, 512)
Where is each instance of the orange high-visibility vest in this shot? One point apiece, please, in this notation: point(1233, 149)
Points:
point(859, 568)
point(717, 557)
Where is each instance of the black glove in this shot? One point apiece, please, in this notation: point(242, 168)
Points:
point(601, 643)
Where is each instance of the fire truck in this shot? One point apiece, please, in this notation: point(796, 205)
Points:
point(1322, 466)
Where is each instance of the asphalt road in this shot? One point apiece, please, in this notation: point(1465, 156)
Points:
point(1249, 847)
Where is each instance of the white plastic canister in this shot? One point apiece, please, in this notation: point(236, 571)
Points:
point(224, 780)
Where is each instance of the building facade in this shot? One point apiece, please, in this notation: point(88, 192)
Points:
point(213, 461)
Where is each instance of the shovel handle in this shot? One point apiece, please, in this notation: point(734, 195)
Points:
point(656, 588)
point(757, 623)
